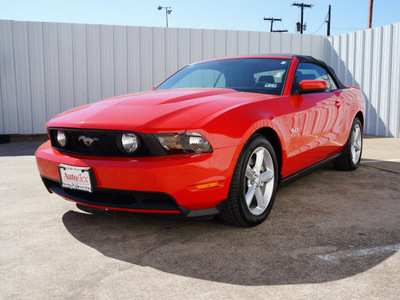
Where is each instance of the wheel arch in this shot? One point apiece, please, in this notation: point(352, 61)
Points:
point(360, 116)
point(273, 138)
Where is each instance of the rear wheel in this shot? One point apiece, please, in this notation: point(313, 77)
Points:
point(351, 155)
point(253, 186)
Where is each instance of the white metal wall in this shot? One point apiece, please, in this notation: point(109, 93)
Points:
point(370, 60)
point(47, 68)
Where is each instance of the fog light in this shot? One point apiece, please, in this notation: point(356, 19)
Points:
point(61, 138)
point(130, 142)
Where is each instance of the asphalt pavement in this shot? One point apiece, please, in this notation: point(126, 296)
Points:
point(330, 235)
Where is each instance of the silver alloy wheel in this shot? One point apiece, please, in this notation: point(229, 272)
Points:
point(356, 143)
point(259, 181)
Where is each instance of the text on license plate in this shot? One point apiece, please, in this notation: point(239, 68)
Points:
point(77, 178)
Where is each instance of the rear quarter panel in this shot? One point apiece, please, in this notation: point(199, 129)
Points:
point(354, 102)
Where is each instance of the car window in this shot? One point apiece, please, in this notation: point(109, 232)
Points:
point(274, 76)
point(202, 78)
point(332, 82)
point(309, 71)
point(257, 75)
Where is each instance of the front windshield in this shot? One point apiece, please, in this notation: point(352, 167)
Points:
point(258, 75)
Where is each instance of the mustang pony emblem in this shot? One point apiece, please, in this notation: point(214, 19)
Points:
point(87, 140)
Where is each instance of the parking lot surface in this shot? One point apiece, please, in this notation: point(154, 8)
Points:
point(330, 235)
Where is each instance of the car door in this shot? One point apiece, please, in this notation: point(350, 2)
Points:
point(318, 118)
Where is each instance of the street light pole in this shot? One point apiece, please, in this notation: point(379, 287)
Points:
point(168, 10)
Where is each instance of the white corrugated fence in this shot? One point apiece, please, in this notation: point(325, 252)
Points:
point(370, 60)
point(47, 68)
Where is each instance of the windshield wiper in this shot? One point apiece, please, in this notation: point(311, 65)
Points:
point(252, 90)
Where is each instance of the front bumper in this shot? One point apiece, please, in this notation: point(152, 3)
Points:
point(176, 177)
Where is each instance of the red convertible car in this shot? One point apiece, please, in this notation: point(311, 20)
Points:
point(216, 138)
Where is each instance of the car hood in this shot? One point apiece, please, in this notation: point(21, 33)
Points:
point(156, 111)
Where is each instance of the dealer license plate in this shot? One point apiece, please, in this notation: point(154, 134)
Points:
point(76, 178)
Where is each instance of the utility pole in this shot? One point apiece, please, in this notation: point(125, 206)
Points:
point(302, 5)
point(371, 4)
point(272, 24)
point(328, 33)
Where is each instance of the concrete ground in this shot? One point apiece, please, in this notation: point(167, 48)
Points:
point(331, 235)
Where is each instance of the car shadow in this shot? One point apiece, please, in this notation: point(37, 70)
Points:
point(318, 231)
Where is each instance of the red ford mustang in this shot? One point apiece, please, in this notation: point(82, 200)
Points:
point(217, 137)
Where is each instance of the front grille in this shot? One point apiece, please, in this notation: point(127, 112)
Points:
point(105, 143)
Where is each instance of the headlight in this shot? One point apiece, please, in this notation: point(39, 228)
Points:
point(61, 138)
point(130, 142)
point(184, 142)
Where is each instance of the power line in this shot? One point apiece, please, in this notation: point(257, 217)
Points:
point(319, 27)
point(323, 22)
point(349, 28)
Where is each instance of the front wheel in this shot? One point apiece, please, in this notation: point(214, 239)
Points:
point(350, 158)
point(253, 186)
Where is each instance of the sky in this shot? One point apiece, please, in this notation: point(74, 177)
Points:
point(347, 15)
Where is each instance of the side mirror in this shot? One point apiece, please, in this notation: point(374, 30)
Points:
point(312, 86)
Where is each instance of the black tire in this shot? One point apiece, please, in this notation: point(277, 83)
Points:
point(347, 160)
point(235, 210)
